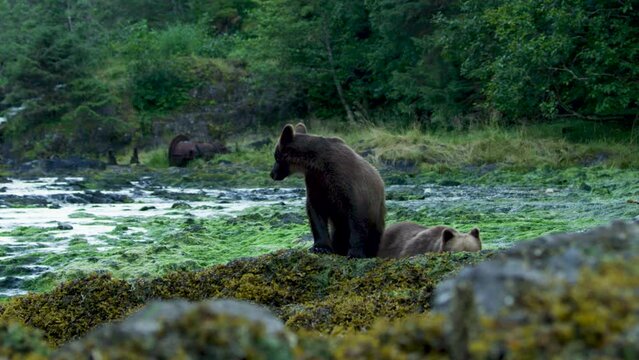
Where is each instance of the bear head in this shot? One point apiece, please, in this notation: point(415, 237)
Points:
point(285, 151)
point(456, 241)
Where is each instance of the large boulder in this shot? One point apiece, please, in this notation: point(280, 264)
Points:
point(214, 329)
point(21, 342)
point(567, 296)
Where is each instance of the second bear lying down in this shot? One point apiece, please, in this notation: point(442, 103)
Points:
point(407, 239)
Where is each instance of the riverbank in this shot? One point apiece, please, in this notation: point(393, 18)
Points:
point(146, 220)
point(62, 231)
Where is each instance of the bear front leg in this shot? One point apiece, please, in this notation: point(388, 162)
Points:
point(357, 239)
point(319, 227)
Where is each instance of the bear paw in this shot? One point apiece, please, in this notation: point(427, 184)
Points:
point(321, 250)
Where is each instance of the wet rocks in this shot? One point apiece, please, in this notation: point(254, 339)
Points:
point(92, 197)
point(171, 195)
point(181, 206)
point(64, 226)
point(221, 329)
point(67, 165)
point(53, 201)
point(23, 201)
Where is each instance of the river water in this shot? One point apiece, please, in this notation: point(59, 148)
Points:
point(45, 217)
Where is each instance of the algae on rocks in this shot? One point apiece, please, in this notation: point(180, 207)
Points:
point(308, 291)
point(214, 329)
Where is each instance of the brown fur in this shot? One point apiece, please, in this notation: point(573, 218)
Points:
point(344, 193)
point(407, 239)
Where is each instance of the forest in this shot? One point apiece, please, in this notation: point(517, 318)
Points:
point(70, 69)
point(493, 179)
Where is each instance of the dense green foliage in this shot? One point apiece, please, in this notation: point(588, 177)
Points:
point(109, 68)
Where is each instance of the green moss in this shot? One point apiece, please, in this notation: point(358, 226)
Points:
point(73, 308)
point(297, 285)
point(20, 342)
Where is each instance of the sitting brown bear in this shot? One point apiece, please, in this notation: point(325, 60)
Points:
point(344, 193)
point(407, 239)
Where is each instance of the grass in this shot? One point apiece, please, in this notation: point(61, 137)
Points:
point(559, 145)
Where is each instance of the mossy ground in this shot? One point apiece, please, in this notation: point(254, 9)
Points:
point(325, 293)
point(338, 298)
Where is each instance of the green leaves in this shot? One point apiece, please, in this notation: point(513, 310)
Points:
point(548, 58)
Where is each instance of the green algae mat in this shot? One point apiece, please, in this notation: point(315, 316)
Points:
point(161, 229)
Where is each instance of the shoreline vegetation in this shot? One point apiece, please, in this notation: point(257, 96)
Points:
point(517, 117)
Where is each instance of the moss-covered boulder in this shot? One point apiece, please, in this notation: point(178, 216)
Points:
point(214, 329)
point(20, 342)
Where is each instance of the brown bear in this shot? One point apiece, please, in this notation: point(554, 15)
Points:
point(407, 239)
point(344, 193)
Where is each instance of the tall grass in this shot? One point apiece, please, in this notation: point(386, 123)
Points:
point(156, 158)
point(519, 147)
point(516, 147)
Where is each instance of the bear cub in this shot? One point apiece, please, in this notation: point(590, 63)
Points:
point(407, 239)
point(344, 193)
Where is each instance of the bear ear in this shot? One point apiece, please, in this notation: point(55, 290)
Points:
point(448, 235)
point(288, 133)
point(300, 128)
point(475, 232)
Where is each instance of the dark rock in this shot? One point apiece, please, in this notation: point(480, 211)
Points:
point(64, 226)
point(292, 218)
point(215, 329)
point(3, 189)
point(147, 208)
point(27, 200)
point(180, 205)
point(54, 206)
point(11, 282)
point(585, 187)
point(92, 197)
point(261, 143)
point(449, 183)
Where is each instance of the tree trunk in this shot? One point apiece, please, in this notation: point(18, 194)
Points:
point(338, 85)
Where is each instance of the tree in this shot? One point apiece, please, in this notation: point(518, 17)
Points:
point(549, 58)
point(311, 49)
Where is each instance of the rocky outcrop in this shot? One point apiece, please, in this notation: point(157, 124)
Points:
point(215, 329)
